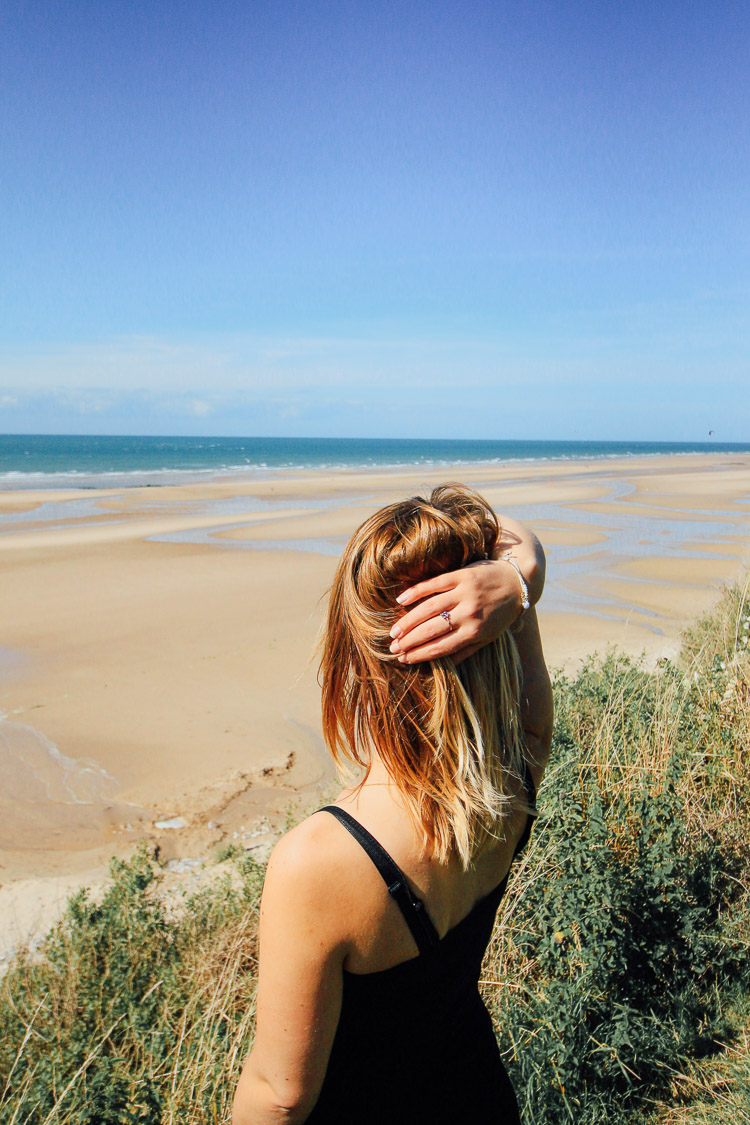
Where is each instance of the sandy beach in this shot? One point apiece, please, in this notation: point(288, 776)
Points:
point(156, 673)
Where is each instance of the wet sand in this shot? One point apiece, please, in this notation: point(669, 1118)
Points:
point(156, 677)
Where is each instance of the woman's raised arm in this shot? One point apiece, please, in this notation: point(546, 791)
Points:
point(536, 704)
point(483, 600)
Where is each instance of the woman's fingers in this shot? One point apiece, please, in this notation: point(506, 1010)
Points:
point(433, 629)
point(436, 585)
point(433, 607)
point(437, 649)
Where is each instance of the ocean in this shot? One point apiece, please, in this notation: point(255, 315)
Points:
point(88, 461)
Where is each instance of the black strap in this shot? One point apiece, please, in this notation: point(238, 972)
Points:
point(412, 908)
point(530, 787)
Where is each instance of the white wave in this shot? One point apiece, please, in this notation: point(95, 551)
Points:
point(33, 769)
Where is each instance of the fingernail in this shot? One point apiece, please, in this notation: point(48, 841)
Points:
point(395, 631)
point(395, 647)
point(402, 598)
point(402, 658)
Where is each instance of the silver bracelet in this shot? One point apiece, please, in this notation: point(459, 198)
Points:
point(525, 603)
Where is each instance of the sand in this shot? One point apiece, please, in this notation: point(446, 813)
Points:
point(156, 676)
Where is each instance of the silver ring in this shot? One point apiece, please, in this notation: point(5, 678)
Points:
point(447, 617)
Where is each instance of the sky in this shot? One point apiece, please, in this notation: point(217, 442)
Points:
point(390, 219)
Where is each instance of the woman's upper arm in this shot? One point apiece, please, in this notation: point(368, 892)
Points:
point(536, 703)
point(523, 544)
point(302, 950)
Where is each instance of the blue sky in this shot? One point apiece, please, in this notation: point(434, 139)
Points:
point(500, 220)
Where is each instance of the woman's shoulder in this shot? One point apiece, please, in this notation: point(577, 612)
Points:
point(309, 851)
point(309, 876)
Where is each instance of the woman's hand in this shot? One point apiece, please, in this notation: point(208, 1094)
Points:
point(482, 601)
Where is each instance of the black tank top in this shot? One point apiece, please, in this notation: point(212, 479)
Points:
point(414, 1043)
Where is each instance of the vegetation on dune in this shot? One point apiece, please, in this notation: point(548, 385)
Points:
point(618, 976)
point(621, 956)
point(130, 1015)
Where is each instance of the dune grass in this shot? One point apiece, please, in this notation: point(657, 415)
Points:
point(619, 972)
point(618, 975)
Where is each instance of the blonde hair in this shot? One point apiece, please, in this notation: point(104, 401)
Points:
point(447, 734)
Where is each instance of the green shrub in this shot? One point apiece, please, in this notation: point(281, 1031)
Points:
point(130, 1014)
point(627, 922)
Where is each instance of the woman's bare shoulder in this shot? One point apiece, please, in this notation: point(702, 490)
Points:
point(310, 874)
point(308, 850)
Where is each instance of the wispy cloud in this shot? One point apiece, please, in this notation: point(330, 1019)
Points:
point(365, 385)
point(245, 362)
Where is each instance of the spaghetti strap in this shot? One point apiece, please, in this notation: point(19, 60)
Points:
point(530, 787)
point(412, 908)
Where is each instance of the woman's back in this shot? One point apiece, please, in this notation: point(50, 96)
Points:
point(378, 937)
point(410, 993)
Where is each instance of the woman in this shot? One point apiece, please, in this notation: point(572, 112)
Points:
point(377, 910)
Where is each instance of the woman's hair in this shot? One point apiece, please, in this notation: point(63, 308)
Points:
point(447, 734)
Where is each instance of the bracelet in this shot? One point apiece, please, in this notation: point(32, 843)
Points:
point(525, 603)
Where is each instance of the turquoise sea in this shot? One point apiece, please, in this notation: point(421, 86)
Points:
point(87, 461)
